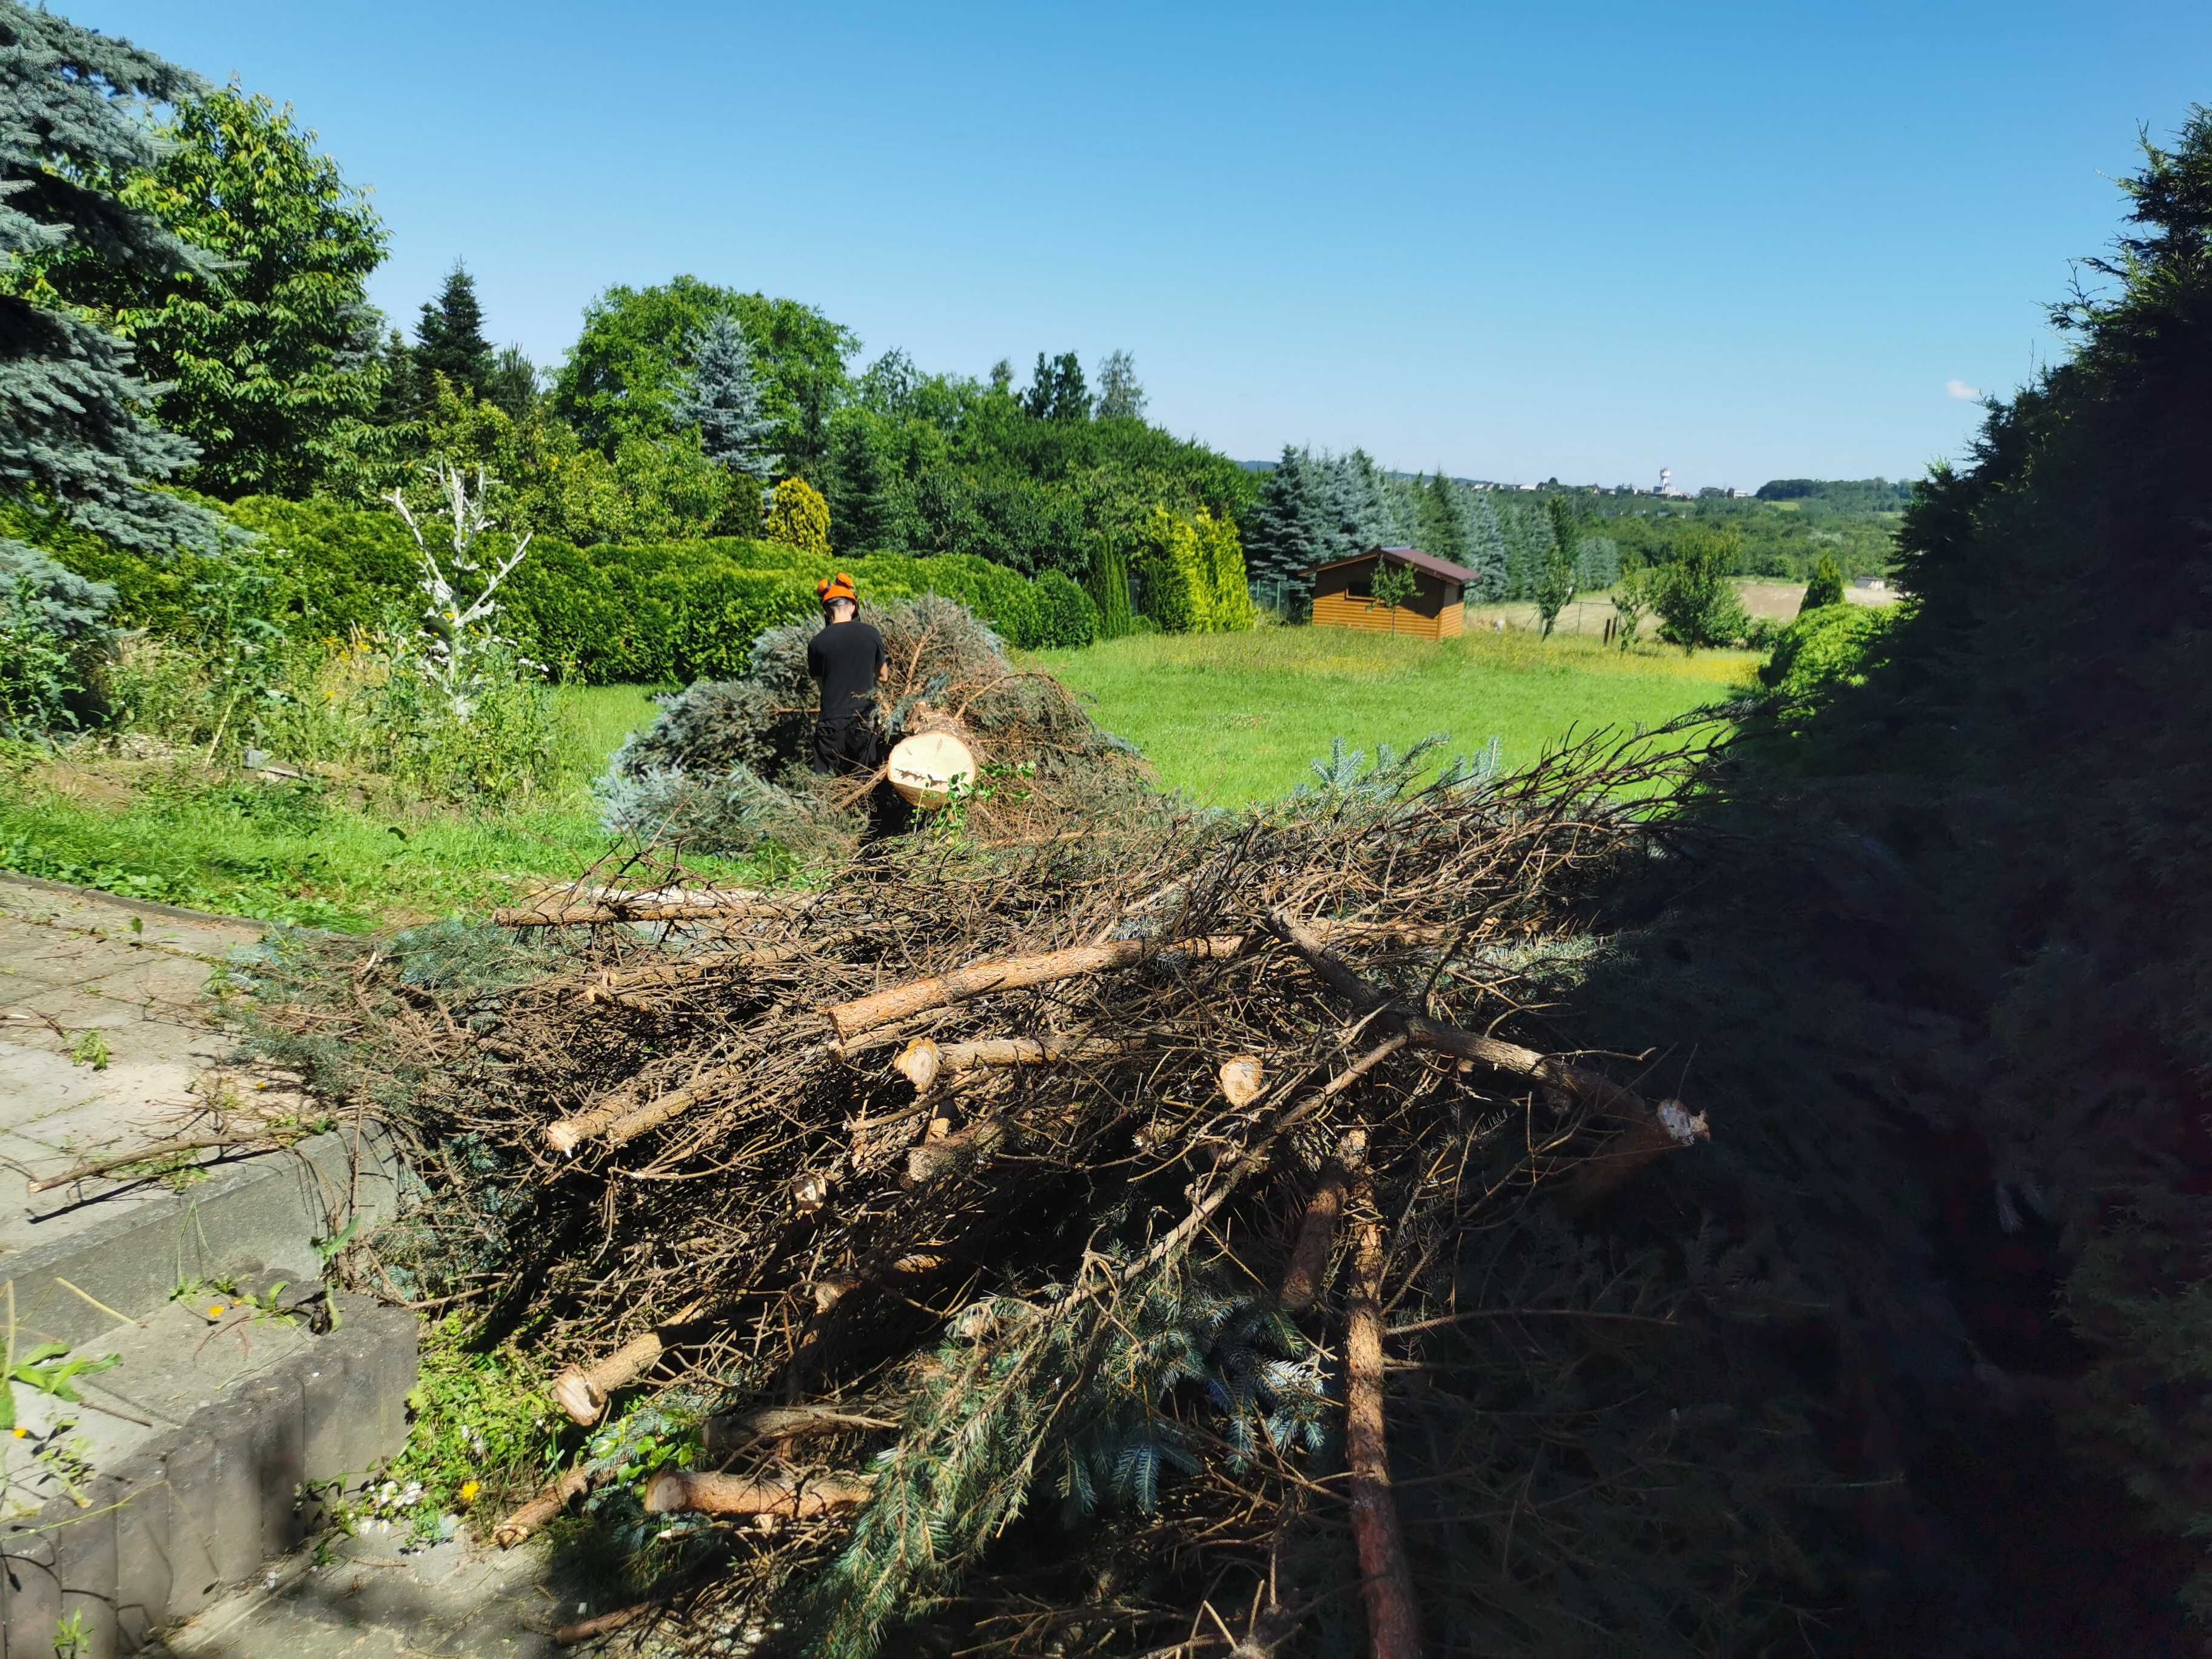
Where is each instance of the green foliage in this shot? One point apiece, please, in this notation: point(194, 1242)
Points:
point(261, 356)
point(1825, 586)
point(1696, 603)
point(1056, 390)
point(1193, 572)
point(1099, 1403)
point(483, 1436)
point(1109, 590)
point(1393, 586)
point(798, 517)
point(1824, 649)
point(77, 440)
point(1555, 583)
point(53, 637)
point(634, 360)
point(48, 1369)
point(1066, 616)
point(449, 337)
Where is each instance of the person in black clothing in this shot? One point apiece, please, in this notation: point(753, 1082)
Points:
point(848, 657)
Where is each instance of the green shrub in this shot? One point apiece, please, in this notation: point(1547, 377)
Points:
point(1822, 649)
point(1696, 602)
point(53, 634)
point(1068, 618)
point(1825, 586)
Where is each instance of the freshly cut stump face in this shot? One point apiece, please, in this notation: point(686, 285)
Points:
point(928, 767)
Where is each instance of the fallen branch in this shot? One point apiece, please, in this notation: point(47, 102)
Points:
point(924, 1060)
point(606, 1624)
point(1015, 973)
point(1593, 1090)
point(648, 906)
point(1316, 1240)
point(791, 1498)
point(733, 1433)
point(154, 1153)
point(619, 1121)
point(583, 1393)
point(546, 1508)
point(1394, 1625)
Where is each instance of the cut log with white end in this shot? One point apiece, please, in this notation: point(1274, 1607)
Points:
point(919, 1063)
point(1243, 1079)
point(930, 767)
point(789, 1498)
point(582, 1391)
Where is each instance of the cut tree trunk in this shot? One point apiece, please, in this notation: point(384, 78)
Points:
point(1386, 1581)
point(546, 1508)
point(791, 1498)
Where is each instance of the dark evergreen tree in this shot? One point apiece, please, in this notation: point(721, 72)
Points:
point(1826, 586)
point(1282, 533)
point(449, 337)
point(725, 398)
point(1442, 529)
point(77, 439)
point(1057, 391)
point(863, 515)
point(511, 385)
point(399, 395)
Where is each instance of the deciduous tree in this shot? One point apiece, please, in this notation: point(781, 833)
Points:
point(1120, 397)
point(1056, 390)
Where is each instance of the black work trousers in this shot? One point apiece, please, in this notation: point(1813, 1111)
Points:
point(851, 745)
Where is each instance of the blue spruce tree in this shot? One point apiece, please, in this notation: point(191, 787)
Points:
point(1281, 544)
point(725, 400)
point(1486, 553)
point(77, 441)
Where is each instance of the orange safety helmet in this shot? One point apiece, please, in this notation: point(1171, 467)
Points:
point(838, 586)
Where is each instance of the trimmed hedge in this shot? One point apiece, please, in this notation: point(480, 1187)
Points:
point(653, 613)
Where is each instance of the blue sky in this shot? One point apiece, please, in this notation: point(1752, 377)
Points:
point(1582, 240)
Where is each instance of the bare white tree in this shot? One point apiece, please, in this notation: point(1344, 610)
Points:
point(461, 589)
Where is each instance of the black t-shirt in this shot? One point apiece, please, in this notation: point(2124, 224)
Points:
point(845, 656)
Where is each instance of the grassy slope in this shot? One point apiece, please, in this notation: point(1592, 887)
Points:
point(170, 831)
point(1237, 718)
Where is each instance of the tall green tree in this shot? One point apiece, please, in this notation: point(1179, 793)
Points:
point(511, 385)
point(262, 355)
point(1555, 570)
point(863, 514)
point(1057, 391)
point(1121, 398)
point(627, 369)
point(722, 398)
point(1443, 527)
point(1825, 587)
point(77, 437)
point(449, 337)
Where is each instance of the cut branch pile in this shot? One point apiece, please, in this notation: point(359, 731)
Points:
point(1050, 1163)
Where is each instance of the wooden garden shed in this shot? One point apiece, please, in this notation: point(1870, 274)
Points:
point(1343, 595)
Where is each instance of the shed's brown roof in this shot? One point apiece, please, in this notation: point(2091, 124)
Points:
point(1414, 557)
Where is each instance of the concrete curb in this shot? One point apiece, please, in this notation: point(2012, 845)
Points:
point(269, 1209)
point(203, 1506)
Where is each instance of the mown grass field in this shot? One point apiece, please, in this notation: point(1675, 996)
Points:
point(175, 831)
point(1237, 718)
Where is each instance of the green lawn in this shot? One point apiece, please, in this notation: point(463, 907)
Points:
point(1236, 718)
point(173, 832)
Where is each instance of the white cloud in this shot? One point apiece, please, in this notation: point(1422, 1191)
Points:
point(1962, 392)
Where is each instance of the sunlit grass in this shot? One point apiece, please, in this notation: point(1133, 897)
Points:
point(1237, 718)
point(326, 855)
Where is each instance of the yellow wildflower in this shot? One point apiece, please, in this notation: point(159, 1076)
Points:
point(217, 1311)
point(21, 1433)
point(469, 1491)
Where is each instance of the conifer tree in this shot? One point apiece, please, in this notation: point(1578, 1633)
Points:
point(512, 385)
point(449, 337)
point(1826, 586)
point(1443, 529)
point(77, 438)
point(863, 517)
point(399, 399)
point(1057, 390)
point(724, 398)
point(1282, 532)
point(798, 517)
point(1487, 552)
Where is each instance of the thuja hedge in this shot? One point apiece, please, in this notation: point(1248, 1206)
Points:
point(654, 613)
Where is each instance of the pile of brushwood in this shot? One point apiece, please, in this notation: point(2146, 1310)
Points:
point(724, 768)
point(1192, 1237)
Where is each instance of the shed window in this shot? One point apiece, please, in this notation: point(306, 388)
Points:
point(1361, 585)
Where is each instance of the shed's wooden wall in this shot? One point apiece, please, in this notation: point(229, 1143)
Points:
point(1428, 615)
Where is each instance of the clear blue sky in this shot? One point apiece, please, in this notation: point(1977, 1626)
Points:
point(1588, 241)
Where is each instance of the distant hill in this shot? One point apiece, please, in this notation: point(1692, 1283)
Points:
point(1845, 495)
